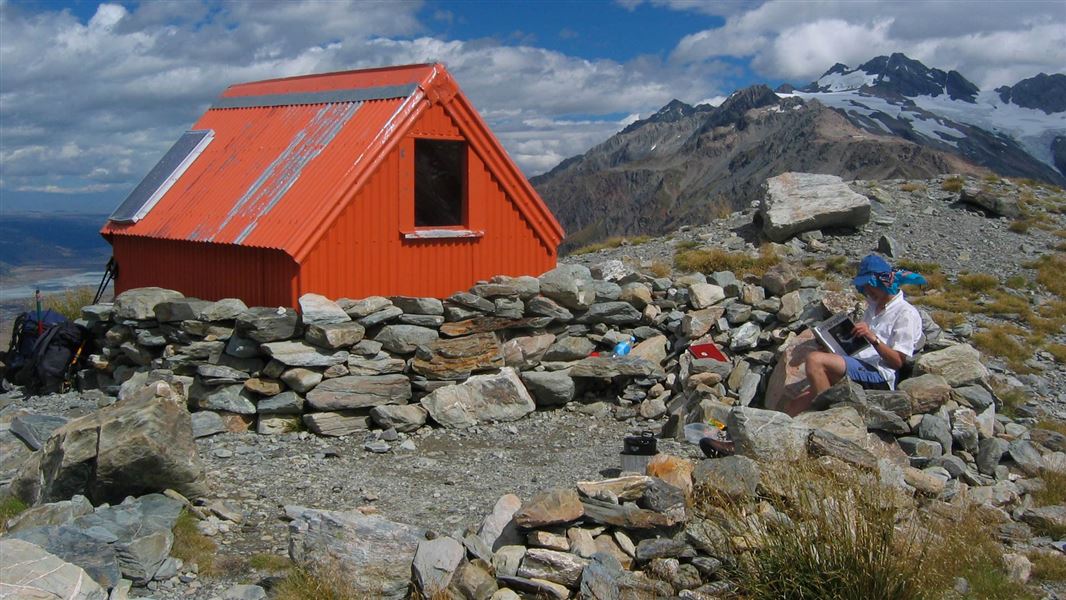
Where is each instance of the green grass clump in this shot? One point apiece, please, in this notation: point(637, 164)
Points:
point(977, 282)
point(320, 583)
point(265, 561)
point(839, 535)
point(67, 303)
point(1058, 351)
point(1053, 494)
point(10, 507)
point(1007, 342)
point(1020, 226)
point(1048, 566)
point(191, 546)
point(1016, 282)
point(659, 268)
point(613, 242)
point(952, 184)
point(710, 261)
point(948, 320)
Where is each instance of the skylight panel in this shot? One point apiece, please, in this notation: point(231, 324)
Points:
point(162, 176)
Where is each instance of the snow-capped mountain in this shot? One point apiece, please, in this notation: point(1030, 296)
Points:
point(901, 96)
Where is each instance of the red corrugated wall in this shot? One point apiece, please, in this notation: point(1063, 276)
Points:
point(364, 252)
point(259, 276)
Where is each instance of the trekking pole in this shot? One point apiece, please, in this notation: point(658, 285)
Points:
point(40, 324)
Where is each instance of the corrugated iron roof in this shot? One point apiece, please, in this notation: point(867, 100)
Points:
point(287, 152)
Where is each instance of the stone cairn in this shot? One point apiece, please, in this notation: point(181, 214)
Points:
point(513, 344)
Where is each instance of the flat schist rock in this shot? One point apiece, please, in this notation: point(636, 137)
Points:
point(496, 397)
point(29, 572)
point(358, 391)
point(608, 367)
point(457, 358)
point(798, 202)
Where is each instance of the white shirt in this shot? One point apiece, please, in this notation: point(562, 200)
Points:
point(899, 326)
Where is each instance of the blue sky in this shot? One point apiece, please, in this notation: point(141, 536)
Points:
point(91, 94)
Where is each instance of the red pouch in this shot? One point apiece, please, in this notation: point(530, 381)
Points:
point(709, 350)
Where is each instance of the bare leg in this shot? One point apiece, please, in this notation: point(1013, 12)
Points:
point(823, 370)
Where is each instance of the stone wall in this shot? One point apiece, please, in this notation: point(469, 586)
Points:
point(493, 353)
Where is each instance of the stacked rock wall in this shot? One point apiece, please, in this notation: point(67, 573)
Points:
point(493, 353)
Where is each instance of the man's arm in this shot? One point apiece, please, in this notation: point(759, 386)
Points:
point(893, 358)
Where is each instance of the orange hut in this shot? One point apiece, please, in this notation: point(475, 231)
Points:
point(372, 182)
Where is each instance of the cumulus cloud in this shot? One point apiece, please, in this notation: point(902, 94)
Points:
point(990, 43)
point(91, 104)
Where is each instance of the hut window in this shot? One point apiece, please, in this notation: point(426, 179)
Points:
point(440, 183)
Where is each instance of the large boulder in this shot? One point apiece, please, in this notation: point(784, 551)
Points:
point(767, 435)
point(319, 310)
point(798, 202)
point(139, 304)
point(27, 571)
point(496, 397)
point(372, 554)
point(264, 324)
point(569, 285)
point(959, 365)
point(141, 445)
point(788, 382)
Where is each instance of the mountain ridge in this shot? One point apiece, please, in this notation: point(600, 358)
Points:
point(890, 118)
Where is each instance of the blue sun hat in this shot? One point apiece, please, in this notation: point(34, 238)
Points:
point(875, 271)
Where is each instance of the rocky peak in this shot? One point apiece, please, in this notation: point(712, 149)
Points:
point(896, 74)
point(1043, 92)
point(673, 111)
point(732, 111)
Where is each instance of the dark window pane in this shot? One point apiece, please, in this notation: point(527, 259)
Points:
point(440, 182)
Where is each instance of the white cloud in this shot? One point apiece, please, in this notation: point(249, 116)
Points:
point(90, 105)
point(991, 43)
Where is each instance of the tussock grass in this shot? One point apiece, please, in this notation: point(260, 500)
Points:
point(67, 303)
point(1048, 566)
point(827, 531)
point(1056, 426)
point(948, 320)
point(1007, 342)
point(191, 546)
point(320, 583)
point(686, 245)
point(977, 282)
point(1016, 282)
point(952, 184)
point(612, 242)
point(1049, 270)
point(265, 561)
point(1054, 492)
point(1058, 351)
point(1012, 399)
point(715, 259)
point(10, 507)
point(659, 268)
point(991, 178)
point(838, 264)
point(911, 186)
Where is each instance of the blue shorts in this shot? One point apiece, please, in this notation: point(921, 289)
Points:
point(865, 374)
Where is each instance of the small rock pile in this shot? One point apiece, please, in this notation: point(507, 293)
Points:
point(107, 547)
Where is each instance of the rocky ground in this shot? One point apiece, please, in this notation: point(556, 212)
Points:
point(448, 480)
point(924, 222)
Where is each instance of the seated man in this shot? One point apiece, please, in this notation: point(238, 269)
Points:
point(891, 325)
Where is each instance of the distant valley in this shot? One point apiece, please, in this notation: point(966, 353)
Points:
point(52, 252)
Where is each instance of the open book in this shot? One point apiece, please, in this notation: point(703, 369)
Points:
point(836, 334)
